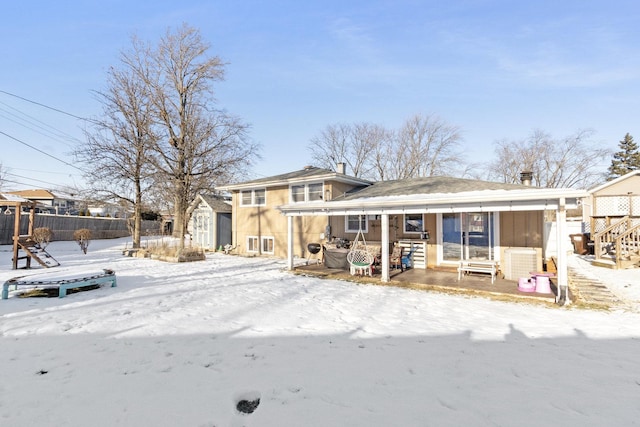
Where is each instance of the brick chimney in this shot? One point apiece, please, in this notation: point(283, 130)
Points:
point(341, 168)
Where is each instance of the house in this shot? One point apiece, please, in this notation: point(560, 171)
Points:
point(258, 227)
point(612, 211)
point(49, 202)
point(210, 222)
point(445, 220)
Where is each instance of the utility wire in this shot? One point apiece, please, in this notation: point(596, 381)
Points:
point(42, 105)
point(38, 170)
point(36, 125)
point(13, 175)
point(40, 151)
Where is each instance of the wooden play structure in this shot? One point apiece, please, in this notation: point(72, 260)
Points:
point(24, 247)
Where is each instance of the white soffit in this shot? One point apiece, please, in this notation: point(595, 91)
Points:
point(544, 199)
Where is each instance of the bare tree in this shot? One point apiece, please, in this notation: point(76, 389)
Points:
point(161, 129)
point(119, 143)
point(429, 147)
point(568, 162)
point(383, 155)
point(198, 145)
point(424, 146)
point(343, 143)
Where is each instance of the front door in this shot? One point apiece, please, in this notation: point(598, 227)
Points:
point(467, 236)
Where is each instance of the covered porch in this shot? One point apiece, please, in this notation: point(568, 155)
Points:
point(489, 198)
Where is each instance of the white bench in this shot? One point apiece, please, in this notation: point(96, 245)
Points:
point(478, 266)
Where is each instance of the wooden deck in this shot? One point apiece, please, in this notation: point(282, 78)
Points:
point(443, 280)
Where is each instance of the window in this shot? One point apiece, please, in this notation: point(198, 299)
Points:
point(253, 197)
point(267, 245)
point(315, 192)
point(307, 192)
point(252, 244)
point(297, 193)
point(413, 223)
point(353, 223)
point(260, 197)
point(246, 198)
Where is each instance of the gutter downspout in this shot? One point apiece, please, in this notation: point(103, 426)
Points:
point(289, 243)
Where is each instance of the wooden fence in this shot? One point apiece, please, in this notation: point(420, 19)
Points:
point(64, 226)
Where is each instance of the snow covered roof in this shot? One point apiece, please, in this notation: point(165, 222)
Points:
point(12, 198)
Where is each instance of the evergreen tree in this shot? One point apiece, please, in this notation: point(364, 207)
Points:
point(625, 160)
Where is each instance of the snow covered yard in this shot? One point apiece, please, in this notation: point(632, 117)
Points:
point(182, 344)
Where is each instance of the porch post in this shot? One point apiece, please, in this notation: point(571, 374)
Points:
point(289, 242)
point(563, 277)
point(16, 233)
point(385, 248)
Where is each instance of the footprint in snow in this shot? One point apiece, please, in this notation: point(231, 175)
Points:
point(248, 402)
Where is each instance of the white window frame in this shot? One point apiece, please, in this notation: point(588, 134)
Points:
point(253, 244)
point(320, 192)
point(306, 196)
point(254, 197)
point(365, 228)
point(404, 224)
point(264, 240)
point(304, 193)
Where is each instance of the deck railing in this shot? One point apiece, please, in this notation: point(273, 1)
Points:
point(604, 240)
point(627, 245)
point(619, 240)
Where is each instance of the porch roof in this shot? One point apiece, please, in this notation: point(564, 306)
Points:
point(439, 194)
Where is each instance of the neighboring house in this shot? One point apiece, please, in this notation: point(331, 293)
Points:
point(613, 200)
point(465, 219)
point(612, 211)
point(210, 222)
point(49, 202)
point(107, 210)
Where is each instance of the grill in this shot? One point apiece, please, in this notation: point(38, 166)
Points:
point(313, 249)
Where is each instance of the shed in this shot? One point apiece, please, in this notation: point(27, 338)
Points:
point(210, 221)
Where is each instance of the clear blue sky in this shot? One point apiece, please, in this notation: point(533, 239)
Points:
point(495, 68)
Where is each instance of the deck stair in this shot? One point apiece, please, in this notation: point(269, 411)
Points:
point(618, 245)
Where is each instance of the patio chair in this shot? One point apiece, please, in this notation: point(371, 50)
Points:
point(360, 262)
point(395, 259)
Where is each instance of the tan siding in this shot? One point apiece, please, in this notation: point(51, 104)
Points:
point(267, 221)
point(431, 226)
point(521, 229)
point(628, 185)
